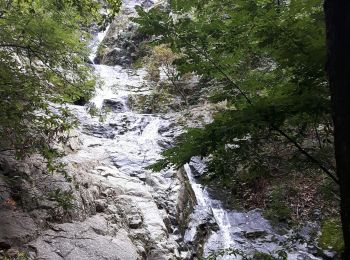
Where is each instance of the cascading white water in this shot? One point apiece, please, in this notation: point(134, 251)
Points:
point(128, 142)
point(235, 228)
point(96, 42)
point(220, 239)
point(140, 133)
point(131, 141)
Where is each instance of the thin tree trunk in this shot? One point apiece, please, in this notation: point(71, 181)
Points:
point(337, 14)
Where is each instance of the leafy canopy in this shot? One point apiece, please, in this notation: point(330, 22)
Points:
point(266, 58)
point(43, 53)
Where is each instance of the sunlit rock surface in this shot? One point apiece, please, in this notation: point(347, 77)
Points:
point(120, 210)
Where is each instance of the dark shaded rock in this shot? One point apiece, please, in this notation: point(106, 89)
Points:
point(197, 166)
point(80, 102)
point(135, 222)
point(255, 234)
point(88, 61)
point(147, 4)
point(100, 206)
point(100, 131)
point(166, 128)
point(97, 59)
point(164, 144)
point(115, 105)
point(163, 129)
point(16, 228)
point(4, 245)
point(122, 44)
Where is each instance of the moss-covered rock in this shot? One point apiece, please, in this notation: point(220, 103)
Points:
point(331, 237)
point(155, 102)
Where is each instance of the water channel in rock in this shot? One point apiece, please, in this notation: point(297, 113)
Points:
point(133, 141)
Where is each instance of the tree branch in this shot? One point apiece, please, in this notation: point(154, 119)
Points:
point(249, 101)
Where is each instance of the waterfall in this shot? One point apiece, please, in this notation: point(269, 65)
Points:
point(247, 231)
point(131, 141)
point(220, 239)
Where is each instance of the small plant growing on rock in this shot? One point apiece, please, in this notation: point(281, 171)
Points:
point(278, 210)
point(64, 199)
point(13, 254)
point(161, 62)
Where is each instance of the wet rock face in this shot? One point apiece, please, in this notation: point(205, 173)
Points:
point(122, 44)
point(119, 212)
point(119, 209)
point(95, 237)
point(92, 238)
point(212, 227)
point(197, 166)
point(16, 228)
point(147, 3)
point(114, 105)
point(101, 131)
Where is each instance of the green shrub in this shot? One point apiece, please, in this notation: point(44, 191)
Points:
point(331, 235)
point(278, 209)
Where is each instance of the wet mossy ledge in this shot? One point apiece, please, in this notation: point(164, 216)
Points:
point(331, 238)
point(186, 201)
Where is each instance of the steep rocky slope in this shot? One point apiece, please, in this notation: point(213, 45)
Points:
point(119, 210)
point(112, 208)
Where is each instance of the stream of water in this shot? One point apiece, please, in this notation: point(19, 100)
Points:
point(247, 231)
point(134, 141)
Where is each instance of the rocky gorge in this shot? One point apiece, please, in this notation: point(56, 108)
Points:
point(119, 209)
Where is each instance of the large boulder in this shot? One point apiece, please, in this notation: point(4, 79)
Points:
point(95, 238)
